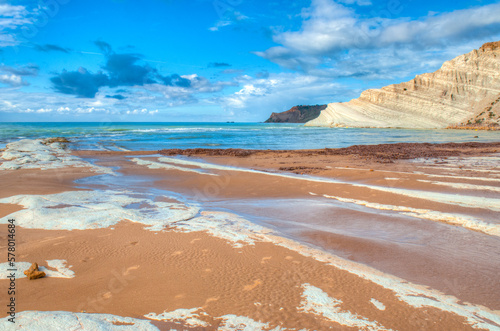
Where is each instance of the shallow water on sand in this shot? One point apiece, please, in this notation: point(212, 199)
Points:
point(449, 258)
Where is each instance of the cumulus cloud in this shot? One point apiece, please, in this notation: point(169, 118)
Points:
point(330, 27)
point(258, 97)
point(18, 101)
point(175, 80)
point(50, 105)
point(13, 76)
point(123, 70)
point(126, 70)
point(81, 83)
point(177, 94)
point(332, 32)
point(12, 80)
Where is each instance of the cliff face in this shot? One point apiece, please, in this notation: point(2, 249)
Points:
point(463, 91)
point(297, 114)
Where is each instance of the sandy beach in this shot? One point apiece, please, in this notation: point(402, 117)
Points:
point(400, 237)
point(242, 165)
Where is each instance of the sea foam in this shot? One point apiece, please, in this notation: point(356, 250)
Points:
point(42, 154)
point(317, 302)
point(465, 221)
point(64, 320)
point(453, 199)
point(191, 317)
point(80, 210)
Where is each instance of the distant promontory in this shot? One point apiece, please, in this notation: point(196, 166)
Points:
point(297, 114)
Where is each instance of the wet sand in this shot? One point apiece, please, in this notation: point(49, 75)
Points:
point(305, 198)
point(132, 272)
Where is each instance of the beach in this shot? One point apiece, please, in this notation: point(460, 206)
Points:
point(241, 165)
point(401, 237)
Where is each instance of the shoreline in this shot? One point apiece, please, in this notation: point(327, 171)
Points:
point(257, 236)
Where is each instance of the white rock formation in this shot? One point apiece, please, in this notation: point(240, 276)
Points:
point(464, 90)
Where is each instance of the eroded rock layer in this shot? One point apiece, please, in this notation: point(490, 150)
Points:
point(464, 91)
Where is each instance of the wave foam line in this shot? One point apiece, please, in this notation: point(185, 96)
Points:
point(486, 179)
point(426, 174)
point(464, 186)
point(158, 165)
point(467, 222)
point(467, 201)
point(462, 169)
point(202, 165)
point(453, 199)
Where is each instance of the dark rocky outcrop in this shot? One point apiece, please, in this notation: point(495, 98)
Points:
point(297, 114)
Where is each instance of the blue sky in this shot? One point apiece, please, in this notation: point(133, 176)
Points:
point(219, 60)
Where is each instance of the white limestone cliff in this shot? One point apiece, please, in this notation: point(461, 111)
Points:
point(463, 92)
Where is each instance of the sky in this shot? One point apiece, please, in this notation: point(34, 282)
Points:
point(219, 60)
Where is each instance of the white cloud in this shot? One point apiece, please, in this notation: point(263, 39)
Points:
point(12, 18)
point(13, 76)
point(330, 27)
point(173, 96)
point(17, 101)
point(7, 10)
point(229, 16)
point(220, 24)
point(334, 36)
point(259, 97)
point(12, 80)
point(145, 100)
point(143, 111)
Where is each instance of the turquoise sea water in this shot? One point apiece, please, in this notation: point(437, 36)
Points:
point(153, 136)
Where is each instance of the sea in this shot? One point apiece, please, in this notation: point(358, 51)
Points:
point(154, 136)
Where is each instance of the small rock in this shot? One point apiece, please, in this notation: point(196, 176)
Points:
point(33, 272)
point(55, 140)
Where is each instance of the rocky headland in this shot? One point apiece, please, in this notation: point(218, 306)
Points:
point(463, 93)
point(297, 114)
